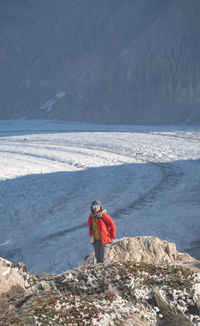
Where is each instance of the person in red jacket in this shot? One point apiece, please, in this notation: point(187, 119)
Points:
point(102, 230)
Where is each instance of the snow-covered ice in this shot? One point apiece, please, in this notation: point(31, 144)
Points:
point(147, 177)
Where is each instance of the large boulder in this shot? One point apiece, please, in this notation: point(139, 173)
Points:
point(146, 249)
point(12, 282)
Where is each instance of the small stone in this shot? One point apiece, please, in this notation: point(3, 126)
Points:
point(46, 286)
point(21, 265)
point(26, 284)
point(11, 307)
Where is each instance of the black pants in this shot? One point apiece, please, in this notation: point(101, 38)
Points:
point(101, 251)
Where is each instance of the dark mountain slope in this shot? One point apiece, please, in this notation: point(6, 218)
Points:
point(104, 61)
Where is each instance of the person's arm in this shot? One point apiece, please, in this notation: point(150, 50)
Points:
point(110, 225)
point(90, 230)
point(90, 226)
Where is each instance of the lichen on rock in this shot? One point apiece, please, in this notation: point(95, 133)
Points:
point(124, 292)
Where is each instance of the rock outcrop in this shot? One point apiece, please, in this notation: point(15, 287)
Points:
point(153, 287)
point(12, 282)
point(146, 249)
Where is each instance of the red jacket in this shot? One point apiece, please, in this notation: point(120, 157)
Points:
point(106, 226)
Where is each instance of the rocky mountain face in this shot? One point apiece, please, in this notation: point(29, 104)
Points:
point(156, 286)
point(103, 61)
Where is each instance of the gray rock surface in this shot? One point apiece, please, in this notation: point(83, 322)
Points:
point(12, 282)
point(154, 289)
point(146, 249)
point(104, 61)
